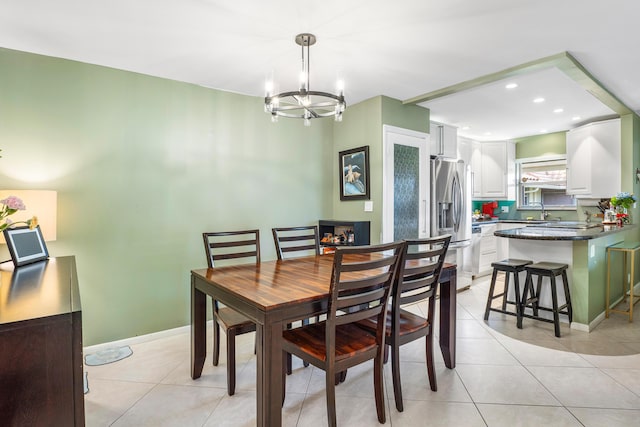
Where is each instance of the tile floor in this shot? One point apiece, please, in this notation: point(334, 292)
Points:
point(504, 377)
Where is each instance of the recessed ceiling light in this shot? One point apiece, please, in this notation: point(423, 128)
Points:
point(543, 131)
point(511, 86)
point(466, 127)
point(558, 110)
point(576, 118)
point(538, 100)
point(487, 134)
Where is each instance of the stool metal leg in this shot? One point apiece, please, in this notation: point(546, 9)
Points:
point(631, 286)
point(608, 301)
point(624, 282)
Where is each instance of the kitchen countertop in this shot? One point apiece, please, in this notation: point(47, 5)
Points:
point(541, 232)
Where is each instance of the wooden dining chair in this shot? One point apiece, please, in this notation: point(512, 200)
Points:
point(230, 245)
point(361, 281)
point(416, 281)
point(296, 242)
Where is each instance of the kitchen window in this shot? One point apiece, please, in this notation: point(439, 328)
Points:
point(543, 183)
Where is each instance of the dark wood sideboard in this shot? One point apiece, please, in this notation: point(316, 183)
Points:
point(41, 368)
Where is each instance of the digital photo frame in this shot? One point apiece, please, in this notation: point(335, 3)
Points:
point(25, 245)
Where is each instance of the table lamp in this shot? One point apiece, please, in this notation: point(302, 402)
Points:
point(40, 203)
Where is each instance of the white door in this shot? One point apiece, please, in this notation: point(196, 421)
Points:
point(405, 188)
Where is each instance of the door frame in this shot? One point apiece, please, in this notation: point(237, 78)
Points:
point(422, 142)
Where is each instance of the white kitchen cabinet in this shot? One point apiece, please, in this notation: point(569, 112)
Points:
point(502, 245)
point(593, 159)
point(493, 170)
point(444, 140)
point(488, 248)
point(476, 170)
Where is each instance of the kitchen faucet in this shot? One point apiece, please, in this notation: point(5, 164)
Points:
point(543, 215)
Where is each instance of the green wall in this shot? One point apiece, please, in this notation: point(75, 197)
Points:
point(142, 167)
point(362, 125)
point(550, 144)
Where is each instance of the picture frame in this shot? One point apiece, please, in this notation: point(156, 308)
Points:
point(353, 166)
point(25, 245)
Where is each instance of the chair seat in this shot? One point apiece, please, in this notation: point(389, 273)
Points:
point(511, 264)
point(230, 318)
point(409, 323)
point(350, 340)
point(546, 268)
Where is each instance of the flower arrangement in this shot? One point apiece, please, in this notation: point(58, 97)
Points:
point(623, 199)
point(11, 205)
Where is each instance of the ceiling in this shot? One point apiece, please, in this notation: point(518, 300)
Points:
point(398, 49)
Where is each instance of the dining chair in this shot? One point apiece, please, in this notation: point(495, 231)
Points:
point(417, 280)
point(360, 285)
point(230, 245)
point(296, 242)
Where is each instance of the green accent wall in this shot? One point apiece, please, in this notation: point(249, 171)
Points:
point(143, 166)
point(551, 144)
point(362, 125)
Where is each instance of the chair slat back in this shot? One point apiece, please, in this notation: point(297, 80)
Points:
point(419, 274)
point(360, 285)
point(226, 245)
point(300, 241)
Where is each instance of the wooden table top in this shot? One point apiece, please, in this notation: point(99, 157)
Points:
point(274, 284)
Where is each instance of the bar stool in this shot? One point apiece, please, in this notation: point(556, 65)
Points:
point(508, 266)
point(531, 297)
point(628, 250)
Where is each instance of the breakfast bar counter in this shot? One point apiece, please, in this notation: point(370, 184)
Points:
point(583, 248)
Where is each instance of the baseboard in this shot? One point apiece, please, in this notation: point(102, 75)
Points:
point(139, 339)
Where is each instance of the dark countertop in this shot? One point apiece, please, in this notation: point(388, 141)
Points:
point(540, 232)
point(512, 221)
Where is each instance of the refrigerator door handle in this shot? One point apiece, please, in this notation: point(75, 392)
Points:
point(456, 198)
point(426, 216)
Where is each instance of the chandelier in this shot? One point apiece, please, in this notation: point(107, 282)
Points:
point(304, 103)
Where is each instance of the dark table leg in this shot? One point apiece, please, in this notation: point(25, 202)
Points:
point(448, 279)
point(198, 330)
point(269, 375)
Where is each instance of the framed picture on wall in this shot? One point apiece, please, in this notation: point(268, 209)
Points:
point(25, 245)
point(354, 174)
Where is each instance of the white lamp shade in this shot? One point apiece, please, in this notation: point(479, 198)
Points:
point(40, 203)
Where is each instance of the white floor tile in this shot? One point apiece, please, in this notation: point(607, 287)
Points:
point(504, 384)
point(504, 377)
point(437, 414)
point(585, 387)
point(527, 416)
point(170, 405)
point(590, 417)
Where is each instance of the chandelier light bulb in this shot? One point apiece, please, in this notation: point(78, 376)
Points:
point(305, 103)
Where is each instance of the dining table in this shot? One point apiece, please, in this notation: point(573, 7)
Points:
point(275, 293)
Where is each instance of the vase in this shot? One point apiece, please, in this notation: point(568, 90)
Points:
point(622, 210)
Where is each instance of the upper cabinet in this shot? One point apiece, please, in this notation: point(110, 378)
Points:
point(444, 140)
point(493, 170)
point(593, 159)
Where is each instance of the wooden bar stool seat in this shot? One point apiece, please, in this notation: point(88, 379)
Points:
point(507, 266)
point(531, 296)
point(628, 250)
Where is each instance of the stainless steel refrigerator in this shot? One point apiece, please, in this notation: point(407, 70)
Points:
point(451, 211)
